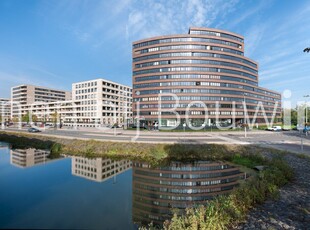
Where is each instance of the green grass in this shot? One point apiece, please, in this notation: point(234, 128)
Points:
point(153, 153)
point(249, 161)
point(303, 156)
point(26, 140)
point(262, 127)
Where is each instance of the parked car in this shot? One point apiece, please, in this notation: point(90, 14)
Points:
point(275, 128)
point(33, 130)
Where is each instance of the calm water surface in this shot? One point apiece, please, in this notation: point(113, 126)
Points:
point(47, 195)
point(85, 193)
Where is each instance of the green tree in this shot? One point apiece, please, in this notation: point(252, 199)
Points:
point(54, 117)
point(35, 118)
point(15, 119)
point(26, 118)
point(294, 117)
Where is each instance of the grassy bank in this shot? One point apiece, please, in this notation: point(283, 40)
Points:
point(152, 153)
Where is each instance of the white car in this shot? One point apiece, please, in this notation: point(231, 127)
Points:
point(275, 128)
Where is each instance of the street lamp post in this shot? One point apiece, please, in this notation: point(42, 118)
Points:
point(306, 96)
point(244, 122)
point(2, 115)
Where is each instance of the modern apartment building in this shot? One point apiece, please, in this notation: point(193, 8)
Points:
point(156, 191)
point(205, 69)
point(102, 102)
point(5, 110)
point(98, 169)
point(94, 103)
point(28, 94)
point(28, 157)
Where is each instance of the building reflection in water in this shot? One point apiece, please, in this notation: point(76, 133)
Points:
point(4, 145)
point(25, 158)
point(156, 191)
point(98, 169)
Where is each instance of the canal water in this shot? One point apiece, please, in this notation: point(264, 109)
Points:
point(84, 193)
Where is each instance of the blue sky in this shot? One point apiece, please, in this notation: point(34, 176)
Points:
point(55, 43)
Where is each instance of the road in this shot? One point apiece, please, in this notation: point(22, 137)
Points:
point(285, 140)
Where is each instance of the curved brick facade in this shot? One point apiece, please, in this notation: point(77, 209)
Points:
point(206, 65)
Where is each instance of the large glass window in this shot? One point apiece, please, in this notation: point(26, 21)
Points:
point(191, 47)
point(198, 76)
point(212, 33)
point(187, 39)
point(193, 69)
point(195, 61)
point(194, 54)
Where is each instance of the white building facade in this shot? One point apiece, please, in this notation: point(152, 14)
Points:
point(95, 103)
point(23, 95)
point(101, 102)
point(98, 169)
point(28, 157)
point(5, 110)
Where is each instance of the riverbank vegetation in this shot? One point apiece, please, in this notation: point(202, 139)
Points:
point(151, 153)
point(225, 212)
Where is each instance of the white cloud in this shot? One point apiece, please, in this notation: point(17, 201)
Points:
point(250, 13)
point(277, 44)
point(253, 38)
point(92, 21)
point(169, 17)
